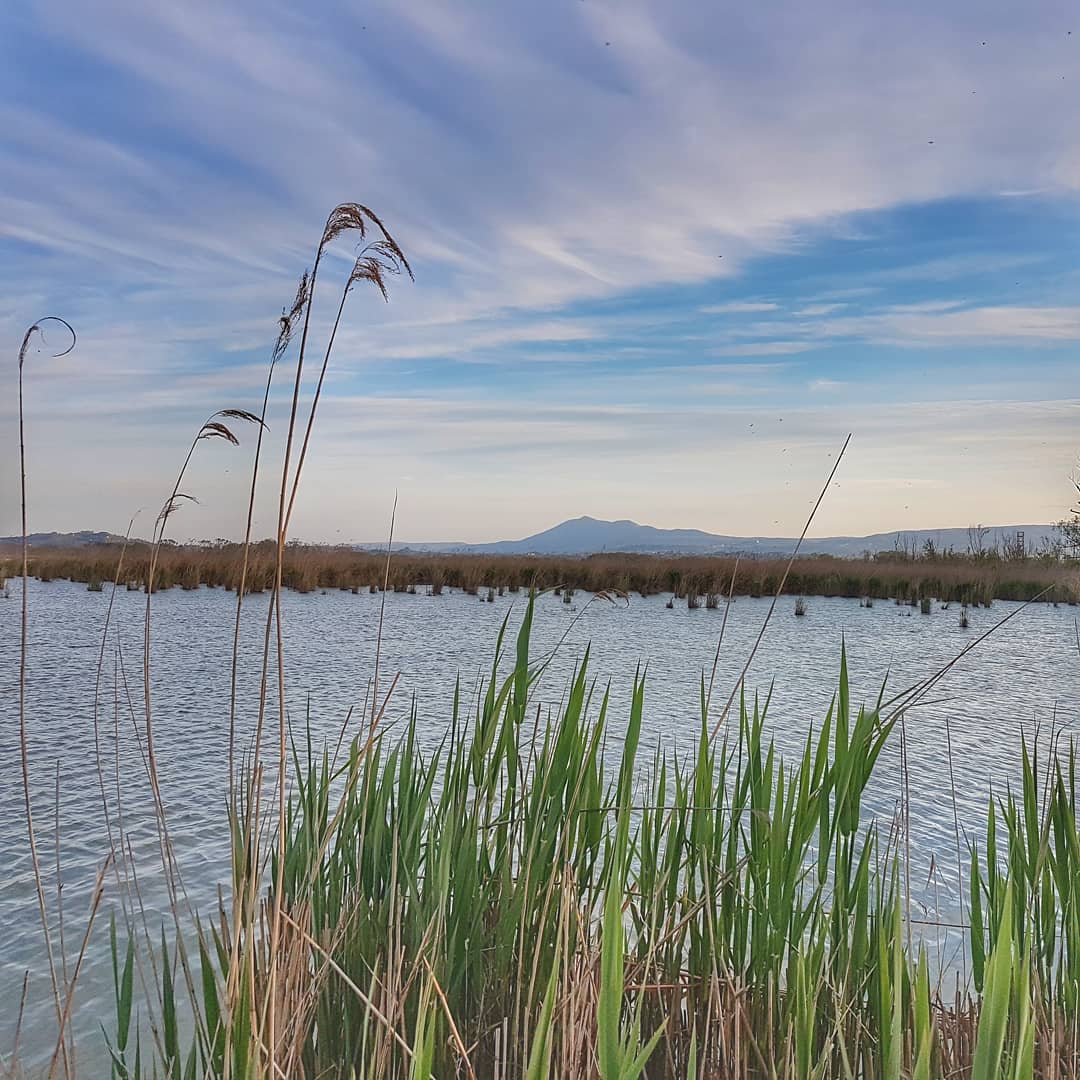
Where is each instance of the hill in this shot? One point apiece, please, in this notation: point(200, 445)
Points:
point(62, 540)
point(588, 535)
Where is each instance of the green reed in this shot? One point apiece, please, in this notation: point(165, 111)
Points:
point(532, 897)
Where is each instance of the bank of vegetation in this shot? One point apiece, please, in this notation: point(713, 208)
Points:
point(307, 568)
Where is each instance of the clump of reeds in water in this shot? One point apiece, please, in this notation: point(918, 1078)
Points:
point(306, 568)
point(925, 605)
point(800, 606)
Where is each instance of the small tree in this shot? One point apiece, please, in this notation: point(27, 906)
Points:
point(1014, 549)
point(1070, 527)
point(977, 535)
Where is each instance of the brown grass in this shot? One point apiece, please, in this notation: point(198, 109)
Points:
point(312, 568)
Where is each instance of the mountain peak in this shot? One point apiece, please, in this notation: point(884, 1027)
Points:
point(587, 535)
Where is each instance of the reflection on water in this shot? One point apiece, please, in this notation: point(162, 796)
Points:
point(1029, 672)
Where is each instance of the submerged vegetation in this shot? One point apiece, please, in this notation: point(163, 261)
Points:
point(308, 568)
point(536, 895)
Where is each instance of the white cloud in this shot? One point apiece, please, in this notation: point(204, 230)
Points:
point(737, 307)
point(913, 326)
point(763, 348)
point(814, 310)
point(987, 324)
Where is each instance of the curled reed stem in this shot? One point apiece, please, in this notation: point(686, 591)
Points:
point(24, 753)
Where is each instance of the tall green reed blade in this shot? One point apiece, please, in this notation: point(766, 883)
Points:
point(994, 1016)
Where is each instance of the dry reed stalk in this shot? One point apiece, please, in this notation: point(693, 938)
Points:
point(267, 1018)
point(286, 327)
point(376, 260)
point(116, 857)
point(780, 588)
point(23, 653)
point(912, 696)
point(211, 428)
point(720, 639)
point(382, 612)
point(116, 854)
point(20, 1012)
point(98, 675)
point(69, 997)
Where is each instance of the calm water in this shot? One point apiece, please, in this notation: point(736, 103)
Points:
point(1027, 672)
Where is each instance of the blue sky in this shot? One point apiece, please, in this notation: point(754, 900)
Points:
point(666, 255)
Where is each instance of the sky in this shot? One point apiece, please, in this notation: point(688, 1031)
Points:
point(667, 256)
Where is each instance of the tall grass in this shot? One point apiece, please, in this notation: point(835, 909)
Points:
point(536, 897)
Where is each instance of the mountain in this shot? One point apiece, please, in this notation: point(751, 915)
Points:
point(588, 536)
point(62, 540)
point(591, 536)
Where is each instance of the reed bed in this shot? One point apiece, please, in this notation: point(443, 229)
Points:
point(532, 898)
point(311, 568)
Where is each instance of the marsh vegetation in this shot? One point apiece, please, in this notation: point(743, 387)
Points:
point(703, 581)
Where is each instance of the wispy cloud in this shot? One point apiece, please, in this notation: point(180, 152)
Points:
point(955, 267)
point(927, 325)
point(763, 348)
point(738, 307)
point(812, 311)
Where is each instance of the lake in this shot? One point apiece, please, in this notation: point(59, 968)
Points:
point(1026, 673)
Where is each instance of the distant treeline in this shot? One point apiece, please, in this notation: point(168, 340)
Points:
point(949, 577)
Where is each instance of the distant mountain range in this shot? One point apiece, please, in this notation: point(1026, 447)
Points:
point(65, 540)
point(588, 536)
